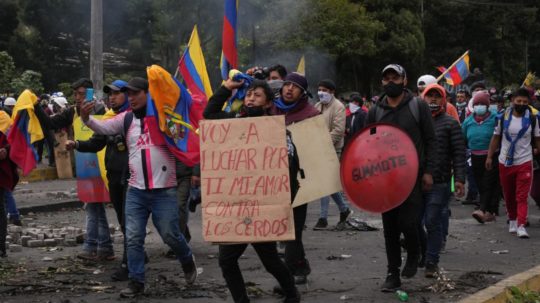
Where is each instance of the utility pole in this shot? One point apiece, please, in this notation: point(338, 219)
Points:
point(96, 46)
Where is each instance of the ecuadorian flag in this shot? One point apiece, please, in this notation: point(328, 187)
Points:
point(172, 112)
point(229, 51)
point(458, 72)
point(24, 132)
point(193, 69)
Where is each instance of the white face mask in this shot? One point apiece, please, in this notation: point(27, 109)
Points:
point(324, 97)
point(493, 107)
point(353, 107)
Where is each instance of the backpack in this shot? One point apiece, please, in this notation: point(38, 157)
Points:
point(413, 108)
point(534, 116)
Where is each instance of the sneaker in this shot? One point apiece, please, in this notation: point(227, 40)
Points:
point(300, 279)
point(489, 217)
point(411, 267)
point(133, 289)
point(190, 271)
point(392, 282)
point(293, 299)
point(15, 221)
point(105, 256)
point(321, 224)
point(479, 216)
point(87, 255)
point(512, 226)
point(522, 232)
point(344, 215)
point(122, 274)
point(431, 271)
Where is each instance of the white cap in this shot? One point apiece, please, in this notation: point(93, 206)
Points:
point(425, 80)
point(10, 101)
point(60, 101)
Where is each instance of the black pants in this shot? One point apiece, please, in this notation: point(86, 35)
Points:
point(117, 194)
point(403, 219)
point(228, 261)
point(184, 186)
point(295, 256)
point(3, 221)
point(488, 183)
point(49, 139)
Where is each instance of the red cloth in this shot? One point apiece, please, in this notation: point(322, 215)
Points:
point(516, 183)
point(8, 170)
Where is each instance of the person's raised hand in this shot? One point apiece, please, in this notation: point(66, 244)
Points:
point(230, 84)
point(86, 109)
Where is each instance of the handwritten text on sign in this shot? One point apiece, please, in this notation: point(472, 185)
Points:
point(245, 180)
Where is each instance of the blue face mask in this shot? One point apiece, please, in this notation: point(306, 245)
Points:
point(493, 108)
point(480, 109)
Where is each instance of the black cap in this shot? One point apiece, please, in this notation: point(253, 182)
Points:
point(328, 84)
point(479, 84)
point(136, 84)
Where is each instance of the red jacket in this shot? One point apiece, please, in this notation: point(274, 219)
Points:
point(8, 170)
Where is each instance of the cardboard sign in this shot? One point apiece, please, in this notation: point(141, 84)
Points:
point(245, 187)
point(90, 184)
point(62, 157)
point(318, 159)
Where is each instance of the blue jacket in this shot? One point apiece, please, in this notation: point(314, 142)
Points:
point(479, 135)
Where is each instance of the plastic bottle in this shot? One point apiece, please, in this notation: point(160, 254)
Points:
point(402, 296)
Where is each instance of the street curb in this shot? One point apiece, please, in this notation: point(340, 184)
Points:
point(499, 293)
point(51, 206)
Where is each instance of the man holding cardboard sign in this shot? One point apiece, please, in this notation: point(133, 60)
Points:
point(246, 189)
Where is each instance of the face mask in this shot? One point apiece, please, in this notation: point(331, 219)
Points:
point(254, 111)
point(493, 107)
point(461, 104)
point(353, 107)
point(434, 107)
point(393, 90)
point(520, 109)
point(325, 97)
point(480, 109)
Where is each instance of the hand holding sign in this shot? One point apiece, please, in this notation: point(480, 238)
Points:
point(379, 168)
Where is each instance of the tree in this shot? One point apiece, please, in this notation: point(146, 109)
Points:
point(7, 70)
point(29, 79)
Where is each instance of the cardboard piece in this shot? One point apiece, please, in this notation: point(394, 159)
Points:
point(318, 159)
point(245, 183)
point(62, 156)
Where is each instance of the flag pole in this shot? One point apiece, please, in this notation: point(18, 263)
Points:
point(451, 66)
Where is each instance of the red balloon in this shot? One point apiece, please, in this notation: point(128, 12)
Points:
point(379, 168)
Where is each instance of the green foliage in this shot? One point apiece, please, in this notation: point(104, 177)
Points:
point(65, 88)
point(518, 296)
point(7, 70)
point(29, 79)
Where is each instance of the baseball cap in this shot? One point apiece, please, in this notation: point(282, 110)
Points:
point(10, 101)
point(426, 80)
point(395, 67)
point(116, 86)
point(136, 84)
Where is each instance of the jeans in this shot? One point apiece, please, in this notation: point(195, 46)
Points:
point(161, 203)
point(295, 256)
point(267, 252)
point(338, 198)
point(11, 206)
point(436, 201)
point(3, 221)
point(98, 236)
point(117, 194)
point(489, 187)
point(403, 219)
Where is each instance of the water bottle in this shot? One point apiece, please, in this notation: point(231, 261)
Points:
point(402, 296)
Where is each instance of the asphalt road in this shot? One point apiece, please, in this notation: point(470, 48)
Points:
point(354, 273)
